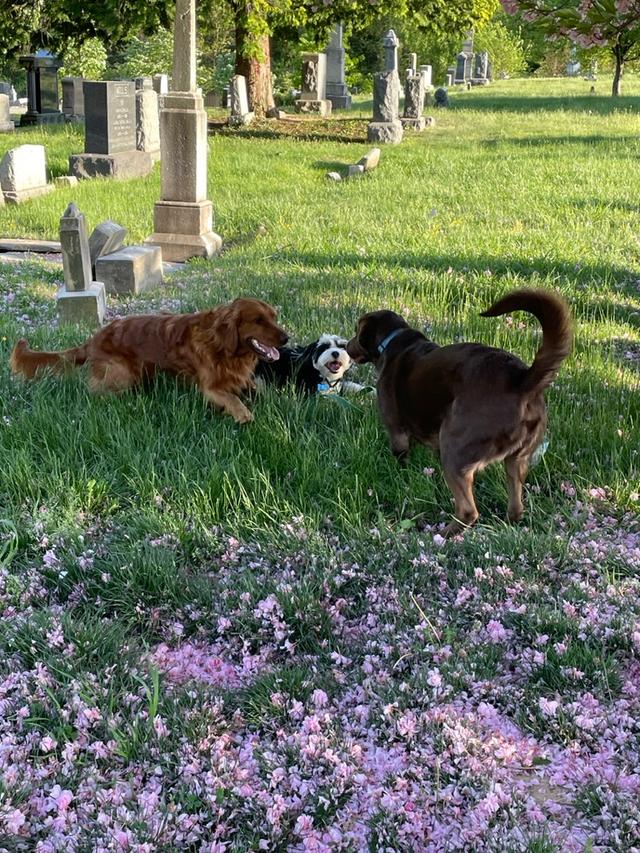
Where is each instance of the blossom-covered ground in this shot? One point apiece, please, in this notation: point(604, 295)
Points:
point(428, 698)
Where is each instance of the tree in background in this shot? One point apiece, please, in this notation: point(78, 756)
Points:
point(505, 47)
point(84, 59)
point(614, 24)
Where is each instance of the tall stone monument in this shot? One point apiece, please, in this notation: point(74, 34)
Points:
point(314, 85)
point(79, 300)
point(183, 218)
point(386, 125)
point(336, 88)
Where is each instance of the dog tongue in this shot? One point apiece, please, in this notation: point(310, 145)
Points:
point(334, 366)
point(267, 352)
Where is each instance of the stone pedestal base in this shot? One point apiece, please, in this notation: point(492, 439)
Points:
point(246, 118)
point(82, 306)
point(413, 123)
point(130, 270)
point(340, 98)
point(18, 196)
point(323, 108)
point(183, 230)
point(29, 119)
point(385, 131)
point(124, 164)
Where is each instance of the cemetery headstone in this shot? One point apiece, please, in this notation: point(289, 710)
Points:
point(480, 69)
point(148, 122)
point(413, 103)
point(413, 62)
point(370, 160)
point(6, 125)
point(73, 98)
point(314, 79)
point(23, 173)
point(183, 217)
point(43, 105)
point(449, 81)
point(336, 87)
point(239, 101)
point(386, 126)
point(425, 73)
point(143, 83)
point(467, 44)
point(80, 300)
point(105, 238)
point(161, 84)
point(130, 270)
point(110, 133)
point(463, 68)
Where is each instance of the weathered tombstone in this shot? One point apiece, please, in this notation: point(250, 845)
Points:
point(314, 79)
point(148, 121)
point(42, 89)
point(143, 83)
point(183, 218)
point(480, 69)
point(413, 103)
point(239, 101)
point(80, 300)
point(425, 73)
point(161, 84)
point(449, 81)
point(23, 173)
point(6, 125)
point(413, 62)
point(105, 238)
point(110, 133)
point(390, 44)
point(73, 98)
point(132, 269)
point(336, 87)
point(370, 160)
point(467, 44)
point(386, 126)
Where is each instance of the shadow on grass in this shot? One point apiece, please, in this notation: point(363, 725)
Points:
point(601, 104)
point(342, 129)
point(609, 204)
point(555, 141)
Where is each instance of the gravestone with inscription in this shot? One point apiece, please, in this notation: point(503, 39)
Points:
point(23, 173)
point(425, 73)
point(480, 69)
point(240, 113)
point(148, 121)
point(43, 98)
point(73, 98)
point(110, 133)
point(314, 82)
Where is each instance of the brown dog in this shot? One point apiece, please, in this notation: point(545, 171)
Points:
point(474, 403)
point(219, 349)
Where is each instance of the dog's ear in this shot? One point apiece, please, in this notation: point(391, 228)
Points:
point(226, 329)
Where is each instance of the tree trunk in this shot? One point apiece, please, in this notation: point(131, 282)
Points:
point(616, 89)
point(253, 61)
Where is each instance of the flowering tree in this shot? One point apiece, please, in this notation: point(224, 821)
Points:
point(614, 24)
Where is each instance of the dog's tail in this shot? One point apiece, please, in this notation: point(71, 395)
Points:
point(29, 363)
point(557, 334)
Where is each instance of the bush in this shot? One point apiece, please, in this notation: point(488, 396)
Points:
point(505, 47)
point(84, 59)
point(144, 56)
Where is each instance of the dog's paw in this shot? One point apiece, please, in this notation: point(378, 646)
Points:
point(243, 417)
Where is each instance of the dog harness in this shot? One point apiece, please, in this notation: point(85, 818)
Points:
point(385, 343)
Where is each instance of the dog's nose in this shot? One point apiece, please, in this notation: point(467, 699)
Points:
point(284, 337)
point(335, 354)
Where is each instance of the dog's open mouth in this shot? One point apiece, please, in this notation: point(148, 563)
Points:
point(265, 352)
point(334, 366)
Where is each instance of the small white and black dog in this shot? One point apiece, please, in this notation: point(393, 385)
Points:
point(318, 368)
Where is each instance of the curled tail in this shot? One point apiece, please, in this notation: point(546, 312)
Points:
point(28, 362)
point(557, 334)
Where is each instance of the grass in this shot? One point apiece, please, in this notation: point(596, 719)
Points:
point(147, 519)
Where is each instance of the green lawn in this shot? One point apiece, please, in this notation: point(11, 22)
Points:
point(283, 577)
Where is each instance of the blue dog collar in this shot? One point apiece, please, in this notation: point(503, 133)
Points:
point(385, 343)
